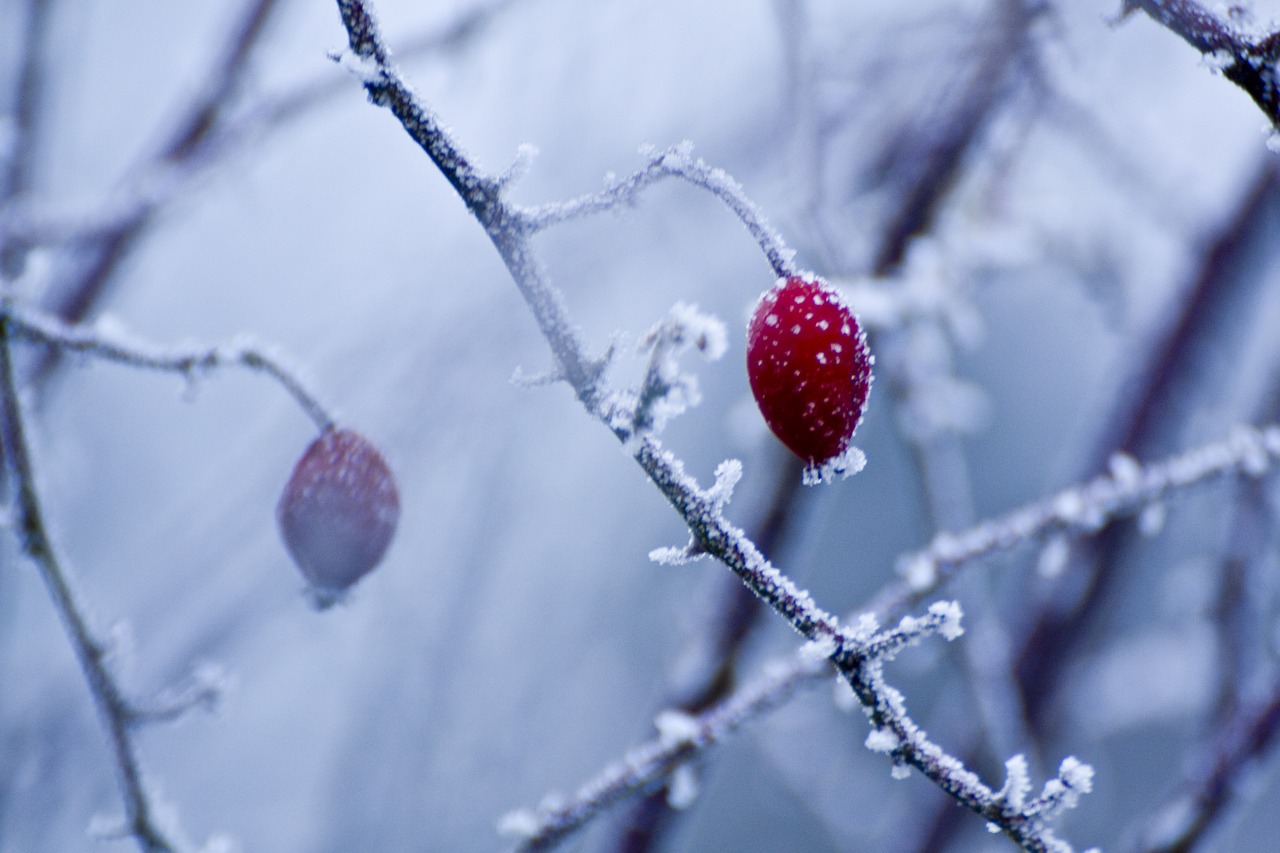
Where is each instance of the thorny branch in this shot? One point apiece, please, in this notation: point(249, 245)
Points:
point(702, 510)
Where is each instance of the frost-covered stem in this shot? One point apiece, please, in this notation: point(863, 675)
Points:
point(1248, 62)
point(91, 653)
point(188, 361)
point(677, 161)
point(733, 613)
point(1084, 509)
point(650, 763)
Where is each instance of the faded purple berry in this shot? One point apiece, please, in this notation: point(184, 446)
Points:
point(339, 511)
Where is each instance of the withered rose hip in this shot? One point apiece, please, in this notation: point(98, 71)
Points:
point(339, 511)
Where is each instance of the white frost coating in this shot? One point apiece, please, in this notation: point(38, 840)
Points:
point(1125, 470)
point(818, 650)
point(846, 464)
point(867, 625)
point(365, 69)
point(1053, 558)
point(1273, 139)
point(1151, 520)
point(683, 789)
point(1017, 783)
point(666, 392)
point(519, 823)
point(728, 474)
point(676, 727)
point(882, 741)
point(705, 332)
point(672, 556)
point(900, 771)
point(950, 614)
point(1075, 778)
point(919, 571)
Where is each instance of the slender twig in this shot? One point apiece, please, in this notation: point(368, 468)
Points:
point(702, 510)
point(116, 712)
point(189, 361)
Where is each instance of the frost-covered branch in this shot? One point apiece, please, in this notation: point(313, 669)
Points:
point(1246, 58)
point(702, 510)
point(679, 162)
point(107, 341)
point(649, 764)
point(682, 736)
point(92, 654)
point(1128, 488)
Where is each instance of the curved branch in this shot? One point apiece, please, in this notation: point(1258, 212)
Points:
point(117, 715)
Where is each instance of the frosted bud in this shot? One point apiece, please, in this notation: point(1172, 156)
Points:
point(338, 512)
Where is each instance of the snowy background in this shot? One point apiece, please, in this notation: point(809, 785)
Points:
point(518, 638)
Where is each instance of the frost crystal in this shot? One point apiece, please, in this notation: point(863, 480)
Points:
point(520, 823)
point(676, 727)
point(846, 464)
point(1017, 783)
point(1053, 558)
point(683, 788)
point(1152, 518)
point(919, 572)
point(950, 614)
point(818, 650)
point(882, 740)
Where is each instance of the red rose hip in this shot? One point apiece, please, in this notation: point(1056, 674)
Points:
point(810, 371)
point(338, 512)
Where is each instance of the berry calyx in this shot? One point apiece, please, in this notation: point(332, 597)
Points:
point(810, 372)
point(338, 512)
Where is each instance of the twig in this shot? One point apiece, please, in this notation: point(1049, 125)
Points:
point(117, 715)
point(189, 361)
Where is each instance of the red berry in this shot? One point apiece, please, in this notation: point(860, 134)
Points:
point(339, 511)
point(810, 370)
